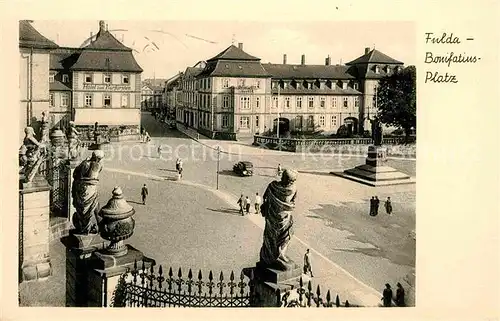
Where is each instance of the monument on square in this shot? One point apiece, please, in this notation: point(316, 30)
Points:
point(374, 172)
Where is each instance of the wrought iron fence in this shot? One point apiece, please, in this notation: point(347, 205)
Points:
point(21, 236)
point(306, 298)
point(145, 288)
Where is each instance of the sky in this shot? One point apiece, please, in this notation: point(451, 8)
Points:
point(164, 48)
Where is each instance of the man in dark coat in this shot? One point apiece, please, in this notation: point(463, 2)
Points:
point(377, 203)
point(144, 194)
point(388, 206)
point(387, 295)
point(372, 206)
point(241, 202)
point(400, 296)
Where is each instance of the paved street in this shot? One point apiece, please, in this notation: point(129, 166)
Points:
point(332, 213)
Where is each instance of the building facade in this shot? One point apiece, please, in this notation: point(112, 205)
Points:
point(34, 54)
point(98, 83)
point(172, 95)
point(235, 95)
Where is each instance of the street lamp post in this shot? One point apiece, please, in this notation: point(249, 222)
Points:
point(218, 161)
point(278, 120)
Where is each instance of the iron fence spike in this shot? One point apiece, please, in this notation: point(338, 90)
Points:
point(337, 301)
point(231, 277)
point(328, 297)
point(318, 291)
point(160, 270)
point(190, 274)
point(180, 273)
point(199, 275)
point(135, 264)
point(170, 273)
point(309, 286)
point(347, 303)
point(221, 277)
point(210, 276)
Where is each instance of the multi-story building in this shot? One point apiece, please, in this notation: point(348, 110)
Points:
point(172, 94)
point(236, 95)
point(34, 51)
point(98, 83)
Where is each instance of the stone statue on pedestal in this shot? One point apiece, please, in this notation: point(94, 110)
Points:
point(45, 127)
point(32, 154)
point(73, 141)
point(377, 133)
point(85, 194)
point(279, 202)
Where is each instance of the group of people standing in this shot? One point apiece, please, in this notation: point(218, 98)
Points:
point(245, 204)
point(387, 296)
point(374, 205)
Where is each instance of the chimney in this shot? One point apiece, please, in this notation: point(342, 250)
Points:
point(102, 26)
point(367, 50)
point(303, 61)
point(240, 45)
point(284, 59)
point(327, 61)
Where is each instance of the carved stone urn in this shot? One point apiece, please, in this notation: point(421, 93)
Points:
point(57, 137)
point(117, 223)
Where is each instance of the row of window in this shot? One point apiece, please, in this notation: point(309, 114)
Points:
point(64, 100)
point(311, 102)
point(245, 102)
point(89, 100)
point(312, 84)
point(107, 79)
point(244, 122)
point(65, 78)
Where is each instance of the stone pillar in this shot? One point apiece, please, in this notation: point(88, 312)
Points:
point(34, 230)
point(377, 155)
point(270, 285)
point(79, 250)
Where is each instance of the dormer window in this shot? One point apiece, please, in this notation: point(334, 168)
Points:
point(88, 78)
point(65, 78)
point(51, 78)
point(344, 85)
point(285, 85)
point(388, 69)
point(356, 86)
point(377, 69)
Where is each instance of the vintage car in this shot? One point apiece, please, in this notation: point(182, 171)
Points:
point(243, 168)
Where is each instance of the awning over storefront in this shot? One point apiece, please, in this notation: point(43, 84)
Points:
point(108, 116)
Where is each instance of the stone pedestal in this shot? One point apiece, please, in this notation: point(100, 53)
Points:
point(271, 284)
point(79, 250)
point(34, 230)
point(375, 172)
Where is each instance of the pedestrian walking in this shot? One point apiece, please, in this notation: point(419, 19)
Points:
point(241, 202)
point(247, 205)
point(159, 151)
point(258, 201)
point(387, 295)
point(372, 206)
point(388, 206)
point(144, 194)
point(307, 263)
point(400, 296)
point(177, 164)
point(180, 172)
point(280, 170)
point(377, 203)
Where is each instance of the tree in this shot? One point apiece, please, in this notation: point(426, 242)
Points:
point(397, 100)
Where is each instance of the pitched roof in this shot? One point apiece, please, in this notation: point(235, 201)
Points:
point(98, 60)
point(63, 60)
point(105, 40)
point(58, 86)
point(233, 53)
point(29, 37)
point(286, 71)
point(374, 56)
point(192, 71)
point(224, 68)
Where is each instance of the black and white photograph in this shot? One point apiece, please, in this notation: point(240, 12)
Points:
point(217, 164)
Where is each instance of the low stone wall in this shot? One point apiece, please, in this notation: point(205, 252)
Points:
point(359, 146)
point(124, 138)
